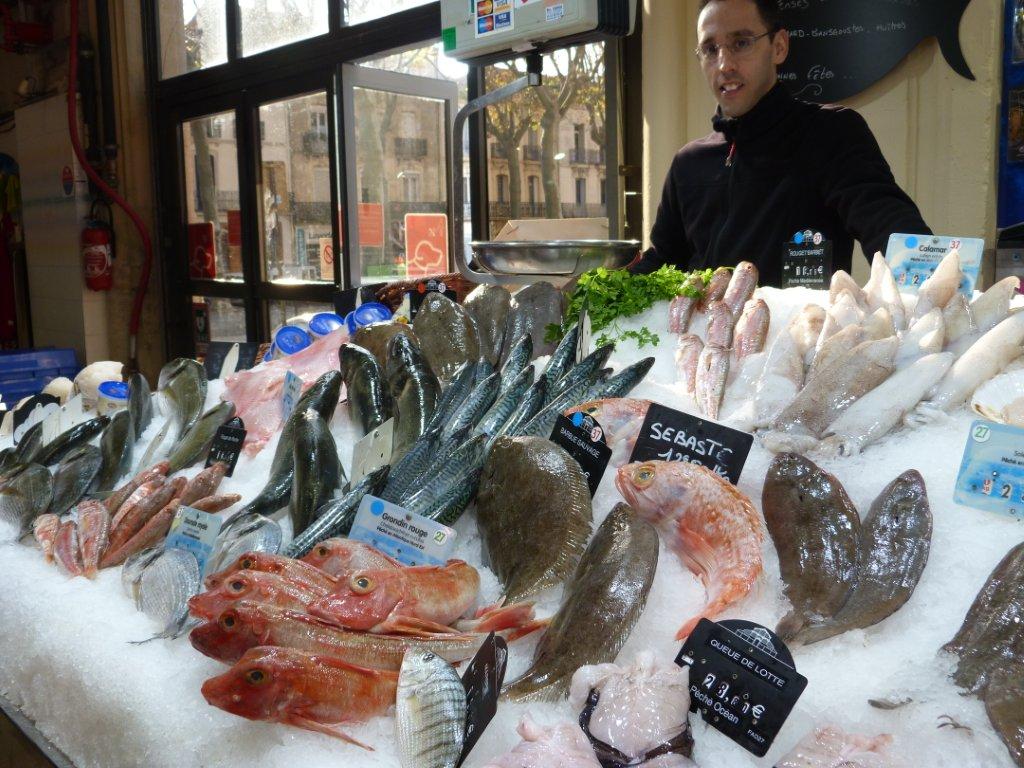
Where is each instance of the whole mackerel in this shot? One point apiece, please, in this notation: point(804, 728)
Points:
point(336, 517)
point(563, 358)
point(67, 441)
point(506, 404)
point(533, 509)
point(474, 407)
point(518, 355)
point(601, 606)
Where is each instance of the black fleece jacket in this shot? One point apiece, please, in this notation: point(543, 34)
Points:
point(744, 190)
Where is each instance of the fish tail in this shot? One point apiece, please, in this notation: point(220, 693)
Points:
point(949, 42)
point(526, 629)
point(503, 617)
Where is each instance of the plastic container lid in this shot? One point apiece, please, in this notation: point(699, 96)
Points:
point(324, 323)
point(115, 390)
point(289, 340)
point(367, 314)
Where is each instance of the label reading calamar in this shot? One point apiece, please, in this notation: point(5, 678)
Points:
point(913, 259)
point(992, 470)
point(407, 537)
point(742, 681)
point(195, 532)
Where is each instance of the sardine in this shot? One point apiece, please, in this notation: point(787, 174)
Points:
point(447, 335)
point(67, 441)
point(365, 391)
point(24, 495)
point(336, 517)
point(74, 475)
point(534, 513)
point(532, 310)
point(318, 471)
point(710, 525)
point(941, 286)
point(883, 408)
point(712, 375)
point(741, 287)
point(323, 396)
point(488, 305)
point(688, 352)
point(116, 446)
point(430, 712)
point(815, 528)
point(895, 539)
point(602, 603)
point(140, 404)
point(752, 328)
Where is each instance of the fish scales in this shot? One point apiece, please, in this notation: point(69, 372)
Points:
point(430, 714)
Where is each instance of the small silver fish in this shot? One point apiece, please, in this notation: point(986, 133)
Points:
point(165, 587)
point(430, 712)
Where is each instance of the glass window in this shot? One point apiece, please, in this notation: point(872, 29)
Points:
point(547, 144)
point(193, 35)
point(282, 312)
point(214, 241)
point(402, 167)
point(358, 11)
point(226, 319)
point(295, 193)
point(271, 23)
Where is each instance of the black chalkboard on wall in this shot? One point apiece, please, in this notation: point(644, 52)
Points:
point(840, 47)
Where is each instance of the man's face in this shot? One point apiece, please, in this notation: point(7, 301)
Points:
point(739, 80)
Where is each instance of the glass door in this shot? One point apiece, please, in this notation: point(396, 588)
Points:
point(398, 130)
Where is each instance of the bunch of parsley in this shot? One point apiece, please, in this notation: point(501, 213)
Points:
point(613, 294)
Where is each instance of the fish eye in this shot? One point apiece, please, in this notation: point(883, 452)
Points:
point(247, 563)
point(236, 586)
point(227, 620)
point(361, 585)
point(322, 551)
point(255, 677)
point(592, 409)
point(643, 476)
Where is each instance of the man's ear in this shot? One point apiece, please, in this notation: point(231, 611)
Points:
point(780, 46)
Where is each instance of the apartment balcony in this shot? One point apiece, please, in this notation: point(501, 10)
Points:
point(314, 143)
point(586, 156)
point(410, 149)
point(526, 210)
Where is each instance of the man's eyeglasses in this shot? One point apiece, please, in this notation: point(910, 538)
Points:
point(739, 47)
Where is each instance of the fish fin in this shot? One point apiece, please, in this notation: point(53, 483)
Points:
point(410, 625)
point(791, 625)
point(336, 663)
point(328, 730)
point(526, 629)
point(495, 619)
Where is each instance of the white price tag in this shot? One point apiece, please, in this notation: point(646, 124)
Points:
point(409, 538)
point(373, 451)
point(290, 393)
point(230, 362)
point(72, 413)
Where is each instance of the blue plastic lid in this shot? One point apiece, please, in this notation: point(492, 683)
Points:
point(115, 390)
point(290, 340)
point(366, 314)
point(325, 322)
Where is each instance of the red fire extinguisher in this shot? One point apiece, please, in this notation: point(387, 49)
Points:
point(98, 252)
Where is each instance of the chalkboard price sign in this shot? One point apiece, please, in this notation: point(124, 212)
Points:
point(840, 47)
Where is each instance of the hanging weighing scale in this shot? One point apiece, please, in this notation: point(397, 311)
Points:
point(473, 29)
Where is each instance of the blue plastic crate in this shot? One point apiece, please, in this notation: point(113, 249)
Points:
point(26, 372)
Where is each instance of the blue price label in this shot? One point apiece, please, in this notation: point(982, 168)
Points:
point(991, 474)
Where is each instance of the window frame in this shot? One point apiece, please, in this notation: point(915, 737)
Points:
point(243, 83)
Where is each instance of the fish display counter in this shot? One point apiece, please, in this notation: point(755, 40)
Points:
point(848, 529)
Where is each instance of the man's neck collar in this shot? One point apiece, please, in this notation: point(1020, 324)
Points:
point(766, 113)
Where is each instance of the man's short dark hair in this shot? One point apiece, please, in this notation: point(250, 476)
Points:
point(769, 10)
